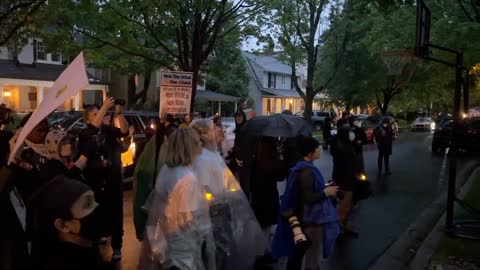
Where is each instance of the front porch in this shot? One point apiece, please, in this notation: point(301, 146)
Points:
point(23, 87)
point(25, 95)
point(277, 102)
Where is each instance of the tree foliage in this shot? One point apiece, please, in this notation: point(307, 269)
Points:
point(143, 35)
point(15, 19)
point(296, 25)
point(373, 27)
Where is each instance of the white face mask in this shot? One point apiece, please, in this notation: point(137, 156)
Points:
point(351, 136)
point(356, 123)
point(385, 125)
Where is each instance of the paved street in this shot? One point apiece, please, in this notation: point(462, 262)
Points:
point(417, 179)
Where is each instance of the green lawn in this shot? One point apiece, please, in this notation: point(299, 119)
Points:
point(465, 249)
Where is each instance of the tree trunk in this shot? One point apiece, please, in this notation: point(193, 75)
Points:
point(386, 103)
point(142, 95)
point(307, 113)
point(131, 91)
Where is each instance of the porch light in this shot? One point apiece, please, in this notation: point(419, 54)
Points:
point(7, 94)
point(291, 101)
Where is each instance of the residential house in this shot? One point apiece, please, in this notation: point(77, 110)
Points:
point(25, 77)
point(271, 85)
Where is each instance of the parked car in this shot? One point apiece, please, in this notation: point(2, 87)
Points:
point(442, 136)
point(318, 118)
point(72, 122)
point(468, 135)
point(423, 123)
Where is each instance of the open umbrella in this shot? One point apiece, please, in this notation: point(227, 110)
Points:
point(278, 125)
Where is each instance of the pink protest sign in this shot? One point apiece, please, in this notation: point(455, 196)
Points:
point(72, 80)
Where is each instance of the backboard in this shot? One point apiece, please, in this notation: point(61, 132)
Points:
point(423, 30)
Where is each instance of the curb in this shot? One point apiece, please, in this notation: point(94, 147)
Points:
point(402, 251)
point(427, 249)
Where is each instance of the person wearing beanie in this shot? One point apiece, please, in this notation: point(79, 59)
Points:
point(312, 202)
point(345, 173)
point(67, 226)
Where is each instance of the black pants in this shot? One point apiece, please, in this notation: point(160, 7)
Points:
point(111, 201)
point(383, 157)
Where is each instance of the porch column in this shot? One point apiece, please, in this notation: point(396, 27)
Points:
point(76, 102)
point(236, 106)
point(1, 94)
point(40, 94)
point(283, 104)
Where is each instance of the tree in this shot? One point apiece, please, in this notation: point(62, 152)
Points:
point(171, 33)
point(15, 17)
point(296, 25)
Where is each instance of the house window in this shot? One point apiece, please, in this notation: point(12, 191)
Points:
point(283, 79)
point(272, 80)
point(41, 55)
point(56, 57)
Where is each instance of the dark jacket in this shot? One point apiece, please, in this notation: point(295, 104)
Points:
point(384, 137)
point(5, 137)
point(359, 136)
point(67, 256)
point(344, 161)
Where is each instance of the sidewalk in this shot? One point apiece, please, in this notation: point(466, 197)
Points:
point(414, 248)
point(440, 251)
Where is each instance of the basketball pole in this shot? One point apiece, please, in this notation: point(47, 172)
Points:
point(461, 228)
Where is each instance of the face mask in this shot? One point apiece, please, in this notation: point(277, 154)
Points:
point(351, 136)
point(357, 124)
point(93, 227)
point(385, 125)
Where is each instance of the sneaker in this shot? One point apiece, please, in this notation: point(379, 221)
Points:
point(117, 255)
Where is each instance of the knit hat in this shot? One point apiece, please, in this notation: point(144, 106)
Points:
point(307, 145)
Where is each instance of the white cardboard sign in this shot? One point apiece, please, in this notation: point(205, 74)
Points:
point(175, 92)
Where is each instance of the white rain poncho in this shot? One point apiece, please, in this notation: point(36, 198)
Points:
point(239, 239)
point(178, 232)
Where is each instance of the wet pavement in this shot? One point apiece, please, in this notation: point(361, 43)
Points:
point(417, 178)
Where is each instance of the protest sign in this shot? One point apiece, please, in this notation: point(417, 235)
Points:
point(175, 92)
point(72, 80)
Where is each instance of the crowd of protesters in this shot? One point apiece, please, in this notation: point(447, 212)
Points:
point(194, 206)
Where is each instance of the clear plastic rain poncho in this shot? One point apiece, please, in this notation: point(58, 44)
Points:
point(178, 232)
point(239, 239)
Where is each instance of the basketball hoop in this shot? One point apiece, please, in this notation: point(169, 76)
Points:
point(395, 61)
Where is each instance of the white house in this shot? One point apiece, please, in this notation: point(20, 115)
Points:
point(271, 85)
point(25, 79)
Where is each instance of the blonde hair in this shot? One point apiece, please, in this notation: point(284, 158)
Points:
point(202, 126)
point(183, 147)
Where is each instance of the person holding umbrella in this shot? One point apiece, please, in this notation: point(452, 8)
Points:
point(267, 158)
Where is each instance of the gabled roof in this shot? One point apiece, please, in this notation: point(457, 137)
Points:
point(39, 72)
point(269, 63)
point(206, 95)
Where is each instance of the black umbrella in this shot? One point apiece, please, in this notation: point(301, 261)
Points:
point(278, 125)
